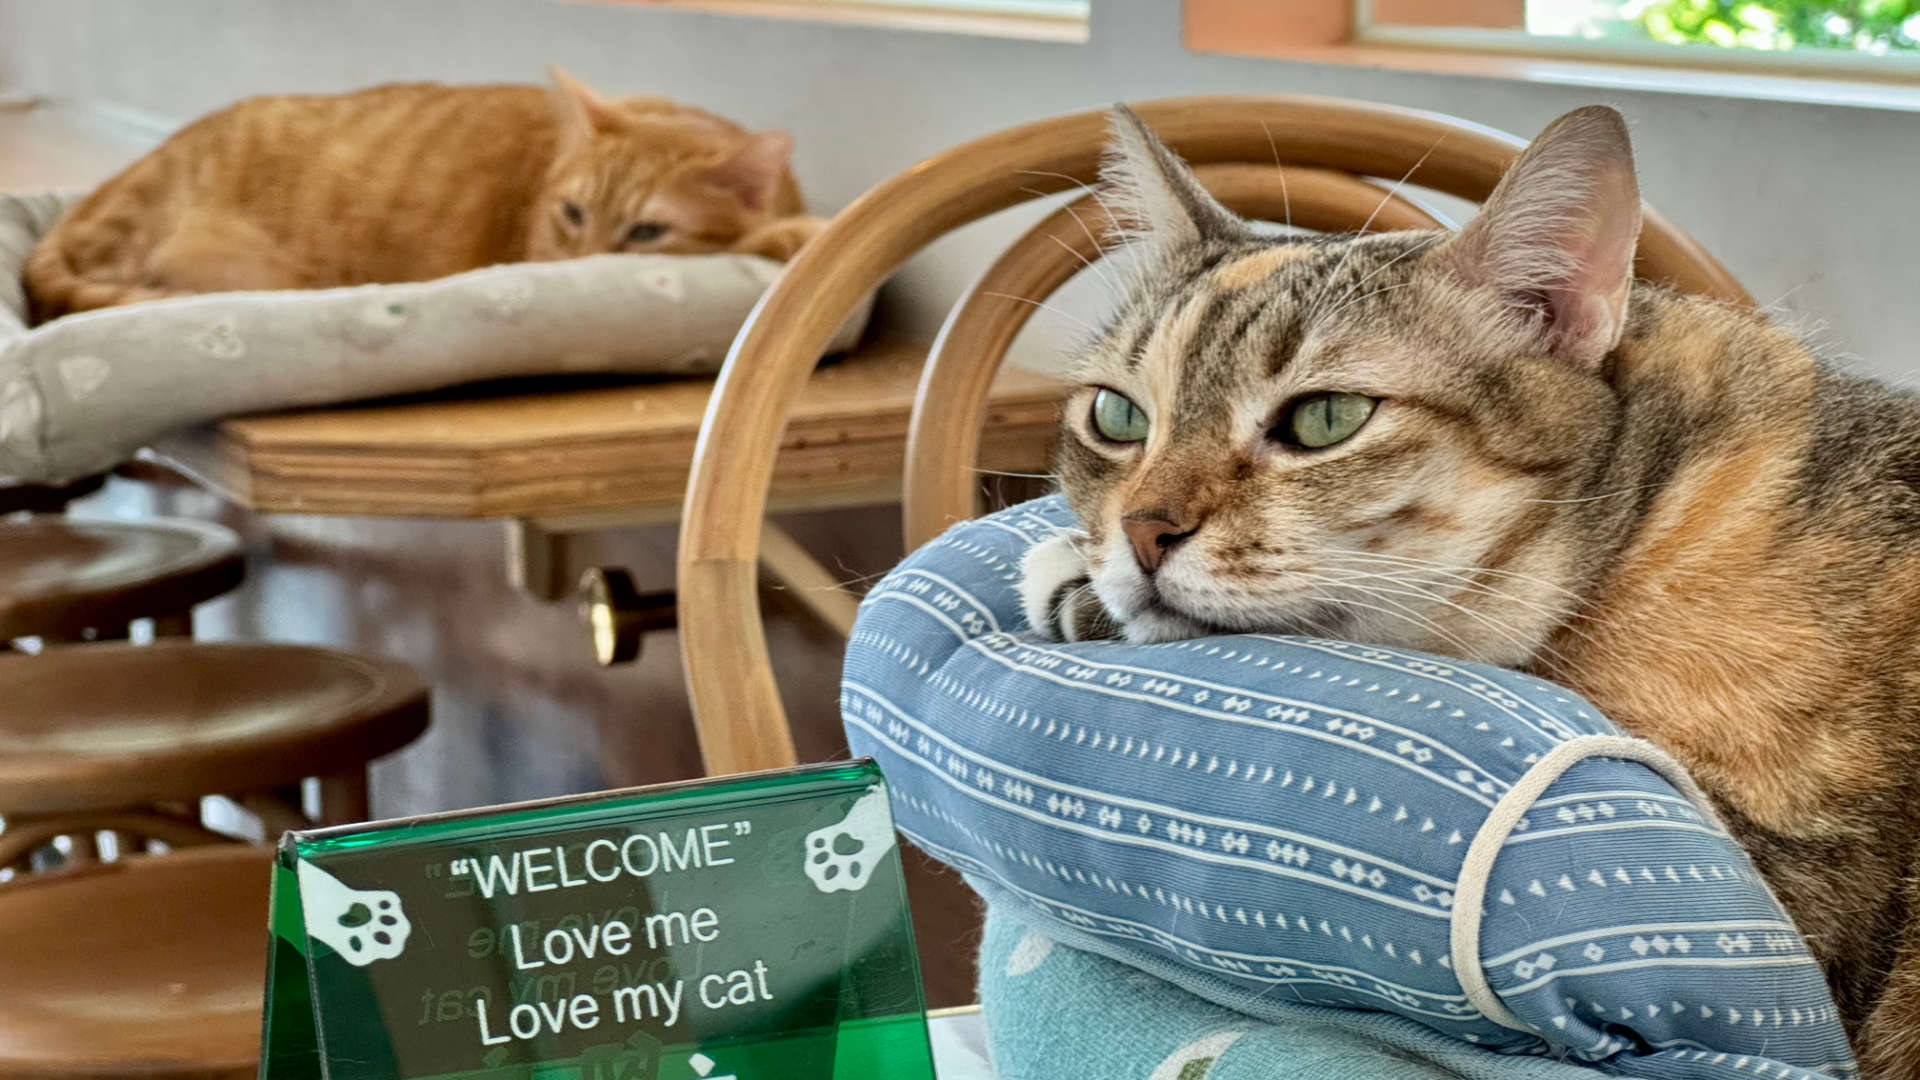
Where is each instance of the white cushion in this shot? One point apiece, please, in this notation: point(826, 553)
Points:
point(84, 392)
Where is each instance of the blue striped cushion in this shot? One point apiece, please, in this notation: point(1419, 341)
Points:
point(1270, 820)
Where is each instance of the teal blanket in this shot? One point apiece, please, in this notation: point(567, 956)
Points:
point(1056, 1013)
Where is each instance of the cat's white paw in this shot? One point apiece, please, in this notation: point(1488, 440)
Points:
point(1047, 572)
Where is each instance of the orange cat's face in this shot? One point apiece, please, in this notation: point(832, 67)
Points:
point(646, 176)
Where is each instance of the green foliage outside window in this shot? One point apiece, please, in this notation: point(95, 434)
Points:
point(1874, 26)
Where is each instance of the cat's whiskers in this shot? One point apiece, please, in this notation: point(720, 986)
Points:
point(1023, 475)
point(1402, 613)
point(1111, 287)
point(1564, 619)
point(861, 579)
point(1415, 591)
point(1324, 581)
point(1367, 296)
point(1286, 202)
point(1118, 230)
point(1530, 645)
point(1061, 312)
point(1457, 581)
point(1101, 246)
point(1596, 498)
point(1116, 293)
point(1314, 308)
point(1067, 602)
point(1371, 274)
point(1414, 560)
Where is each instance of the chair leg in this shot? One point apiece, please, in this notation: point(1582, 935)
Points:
point(343, 798)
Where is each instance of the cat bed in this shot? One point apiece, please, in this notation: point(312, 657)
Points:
point(83, 393)
point(1275, 823)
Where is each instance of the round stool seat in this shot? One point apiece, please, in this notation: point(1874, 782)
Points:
point(150, 967)
point(61, 576)
point(109, 725)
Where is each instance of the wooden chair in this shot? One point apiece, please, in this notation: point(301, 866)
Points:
point(1326, 147)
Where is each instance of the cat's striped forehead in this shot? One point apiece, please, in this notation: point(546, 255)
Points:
point(1214, 322)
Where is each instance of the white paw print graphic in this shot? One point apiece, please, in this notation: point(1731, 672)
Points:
point(82, 375)
point(505, 296)
point(362, 925)
point(219, 340)
point(1196, 1059)
point(20, 414)
point(841, 857)
point(1027, 956)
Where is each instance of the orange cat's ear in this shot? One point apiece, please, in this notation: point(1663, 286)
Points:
point(1557, 235)
point(579, 111)
point(753, 172)
point(1161, 203)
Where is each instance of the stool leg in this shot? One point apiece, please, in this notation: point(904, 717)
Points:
point(343, 798)
point(85, 850)
point(120, 632)
point(279, 810)
point(179, 624)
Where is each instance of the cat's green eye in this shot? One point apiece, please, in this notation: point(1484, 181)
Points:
point(1117, 418)
point(1320, 420)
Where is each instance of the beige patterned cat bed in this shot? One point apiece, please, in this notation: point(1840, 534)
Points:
point(83, 393)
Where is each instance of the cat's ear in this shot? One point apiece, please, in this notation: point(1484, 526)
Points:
point(1160, 201)
point(1556, 238)
point(753, 172)
point(579, 111)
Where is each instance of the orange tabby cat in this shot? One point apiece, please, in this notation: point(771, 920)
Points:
point(413, 181)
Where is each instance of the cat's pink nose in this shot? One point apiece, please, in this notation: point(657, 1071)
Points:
point(1153, 535)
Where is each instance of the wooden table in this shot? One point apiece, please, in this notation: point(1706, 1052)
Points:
point(563, 459)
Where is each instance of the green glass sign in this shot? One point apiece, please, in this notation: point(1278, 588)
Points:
point(747, 928)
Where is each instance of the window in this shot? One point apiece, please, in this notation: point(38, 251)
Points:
point(1042, 20)
point(1837, 52)
point(1054, 9)
point(1864, 36)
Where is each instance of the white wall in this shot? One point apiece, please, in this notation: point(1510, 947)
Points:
point(1816, 204)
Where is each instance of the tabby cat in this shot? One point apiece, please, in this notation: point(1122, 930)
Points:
point(1499, 446)
point(413, 181)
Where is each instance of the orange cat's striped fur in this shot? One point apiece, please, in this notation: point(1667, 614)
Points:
point(1497, 445)
point(414, 181)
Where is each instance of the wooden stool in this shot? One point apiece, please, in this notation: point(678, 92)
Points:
point(61, 578)
point(126, 739)
point(151, 967)
point(46, 498)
